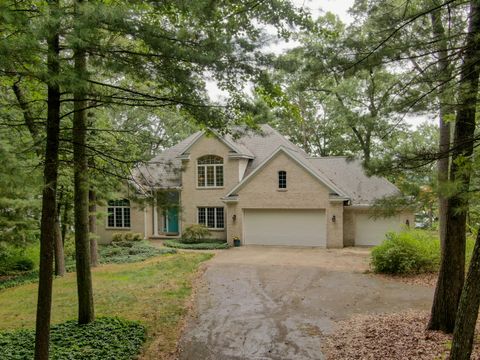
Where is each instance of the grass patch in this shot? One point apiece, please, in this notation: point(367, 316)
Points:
point(154, 292)
point(411, 252)
point(117, 253)
point(208, 245)
point(106, 338)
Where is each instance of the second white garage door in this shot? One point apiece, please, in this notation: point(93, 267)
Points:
point(370, 232)
point(285, 227)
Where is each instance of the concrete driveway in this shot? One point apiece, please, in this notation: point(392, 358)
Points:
point(278, 303)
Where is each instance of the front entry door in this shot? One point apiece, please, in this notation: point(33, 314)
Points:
point(172, 220)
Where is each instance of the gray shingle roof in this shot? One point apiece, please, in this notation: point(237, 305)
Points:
point(350, 176)
point(164, 171)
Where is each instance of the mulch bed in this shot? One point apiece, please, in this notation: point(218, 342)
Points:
point(427, 279)
point(391, 336)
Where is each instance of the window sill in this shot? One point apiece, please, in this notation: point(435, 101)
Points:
point(215, 229)
point(118, 228)
point(210, 187)
point(282, 190)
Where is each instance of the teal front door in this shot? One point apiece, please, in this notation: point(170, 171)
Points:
point(172, 220)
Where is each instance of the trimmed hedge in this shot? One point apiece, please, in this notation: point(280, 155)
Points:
point(210, 245)
point(105, 338)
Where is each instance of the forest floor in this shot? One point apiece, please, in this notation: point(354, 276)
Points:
point(156, 292)
point(389, 336)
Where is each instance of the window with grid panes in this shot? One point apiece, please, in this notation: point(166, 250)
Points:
point(210, 171)
point(211, 217)
point(282, 179)
point(118, 213)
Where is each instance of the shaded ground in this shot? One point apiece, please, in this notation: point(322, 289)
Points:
point(155, 292)
point(392, 336)
point(280, 303)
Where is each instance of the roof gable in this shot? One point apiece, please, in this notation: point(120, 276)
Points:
point(302, 163)
point(227, 140)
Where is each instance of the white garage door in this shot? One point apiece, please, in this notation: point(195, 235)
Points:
point(285, 227)
point(370, 231)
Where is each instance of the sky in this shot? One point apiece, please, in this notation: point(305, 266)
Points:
point(338, 7)
point(316, 8)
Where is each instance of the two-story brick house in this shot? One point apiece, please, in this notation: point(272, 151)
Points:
point(260, 188)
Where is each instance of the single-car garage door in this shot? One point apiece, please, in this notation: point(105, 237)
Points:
point(285, 227)
point(369, 231)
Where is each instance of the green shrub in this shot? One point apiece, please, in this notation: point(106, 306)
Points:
point(105, 338)
point(14, 259)
point(117, 237)
point(126, 236)
point(23, 264)
point(194, 234)
point(407, 252)
point(210, 245)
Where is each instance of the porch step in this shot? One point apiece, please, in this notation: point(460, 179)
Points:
point(164, 237)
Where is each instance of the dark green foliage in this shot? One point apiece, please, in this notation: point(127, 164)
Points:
point(194, 234)
point(204, 245)
point(408, 252)
point(15, 259)
point(24, 264)
point(106, 338)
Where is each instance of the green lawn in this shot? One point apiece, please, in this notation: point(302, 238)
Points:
point(154, 292)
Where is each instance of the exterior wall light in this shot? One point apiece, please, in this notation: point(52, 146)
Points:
point(234, 217)
point(334, 218)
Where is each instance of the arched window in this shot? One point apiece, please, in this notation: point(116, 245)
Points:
point(282, 179)
point(119, 213)
point(210, 171)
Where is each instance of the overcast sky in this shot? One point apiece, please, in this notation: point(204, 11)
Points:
point(316, 8)
point(339, 7)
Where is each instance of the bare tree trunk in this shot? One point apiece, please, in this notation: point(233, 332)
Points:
point(468, 309)
point(452, 270)
point(81, 187)
point(92, 224)
point(59, 253)
point(444, 74)
point(65, 220)
point(47, 226)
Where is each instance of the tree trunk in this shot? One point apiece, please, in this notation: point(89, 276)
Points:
point(65, 220)
point(444, 96)
point(59, 253)
point(47, 226)
point(452, 270)
point(92, 225)
point(468, 309)
point(81, 187)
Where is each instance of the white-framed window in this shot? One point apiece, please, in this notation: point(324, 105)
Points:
point(282, 179)
point(118, 214)
point(210, 171)
point(211, 217)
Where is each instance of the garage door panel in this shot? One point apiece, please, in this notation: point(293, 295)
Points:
point(370, 232)
point(285, 227)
